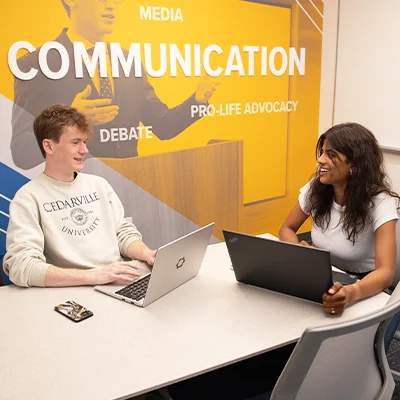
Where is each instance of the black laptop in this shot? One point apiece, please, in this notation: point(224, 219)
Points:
point(288, 268)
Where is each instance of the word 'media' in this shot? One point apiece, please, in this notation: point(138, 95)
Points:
point(193, 60)
point(156, 13)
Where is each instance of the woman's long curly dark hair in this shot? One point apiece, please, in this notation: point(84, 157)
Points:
point(368, 179)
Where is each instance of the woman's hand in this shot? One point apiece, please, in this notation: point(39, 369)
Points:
point(336, 299)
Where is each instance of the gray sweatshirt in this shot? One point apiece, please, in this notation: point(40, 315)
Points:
point(77, 224)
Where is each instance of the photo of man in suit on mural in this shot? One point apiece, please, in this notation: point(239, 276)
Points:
point(116, 106)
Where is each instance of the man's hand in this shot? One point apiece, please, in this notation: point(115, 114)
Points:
point(98, 111)
point(150, 256)
point(137, 250)
point(336, 299)
point(205, 89)
point(117, 271)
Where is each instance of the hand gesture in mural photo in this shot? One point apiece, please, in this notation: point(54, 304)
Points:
point(99, 111)
point(206, 88)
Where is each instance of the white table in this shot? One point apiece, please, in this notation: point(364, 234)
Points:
point(125, 350)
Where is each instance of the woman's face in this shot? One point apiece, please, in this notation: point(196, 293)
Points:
point(333, 166)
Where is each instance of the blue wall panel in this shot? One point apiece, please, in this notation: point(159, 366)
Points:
point(10, 182)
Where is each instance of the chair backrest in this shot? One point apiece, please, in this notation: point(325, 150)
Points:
point(2, 253)
point(341, 361)
point(1, 272)
point(397, 271)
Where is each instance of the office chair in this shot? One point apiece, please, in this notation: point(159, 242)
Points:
point(391, 332)
point(2, 251)
point(345, 360)
point(1, 273)
point(4, 279)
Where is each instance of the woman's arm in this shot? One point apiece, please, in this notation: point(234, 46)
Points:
point(292, 224)
point(376, 281)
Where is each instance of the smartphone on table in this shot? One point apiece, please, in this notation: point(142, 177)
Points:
point(74, 311)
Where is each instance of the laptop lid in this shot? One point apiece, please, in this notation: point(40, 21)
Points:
point(177, 262)
point(288, 268)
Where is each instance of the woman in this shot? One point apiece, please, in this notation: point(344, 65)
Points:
point(354, 213)
point(354, 216)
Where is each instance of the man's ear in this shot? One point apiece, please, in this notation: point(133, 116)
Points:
point(47, 146)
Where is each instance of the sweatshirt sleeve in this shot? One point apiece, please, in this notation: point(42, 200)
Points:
point(126, 231)
point(24, 261)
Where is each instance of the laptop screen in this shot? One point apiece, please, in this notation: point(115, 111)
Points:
point(292, 269)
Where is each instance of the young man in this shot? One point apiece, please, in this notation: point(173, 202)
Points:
point(67, 228)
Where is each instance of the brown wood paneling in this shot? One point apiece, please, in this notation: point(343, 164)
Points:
point(204, 184)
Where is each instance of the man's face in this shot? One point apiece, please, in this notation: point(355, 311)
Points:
point(67, 155)
point(95, 16)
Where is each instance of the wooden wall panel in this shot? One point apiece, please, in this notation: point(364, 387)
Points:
point(204, 184)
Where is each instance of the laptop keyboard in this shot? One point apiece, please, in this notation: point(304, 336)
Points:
point(136, 290)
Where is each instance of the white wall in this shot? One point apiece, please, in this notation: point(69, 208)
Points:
point(330, 46)
point(328, 73)
point(393, 167)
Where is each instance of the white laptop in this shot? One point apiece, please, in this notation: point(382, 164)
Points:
point(175, 264)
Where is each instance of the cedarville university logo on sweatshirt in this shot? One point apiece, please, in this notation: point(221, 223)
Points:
point(77, 215)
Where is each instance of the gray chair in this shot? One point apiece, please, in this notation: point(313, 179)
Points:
point(345, 360)
point(2, 283)
point(392, 332)
point(397, 271)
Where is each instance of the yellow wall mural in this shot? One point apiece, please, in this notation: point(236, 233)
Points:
point(211, 107)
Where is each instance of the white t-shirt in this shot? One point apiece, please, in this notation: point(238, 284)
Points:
point(360, 257)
